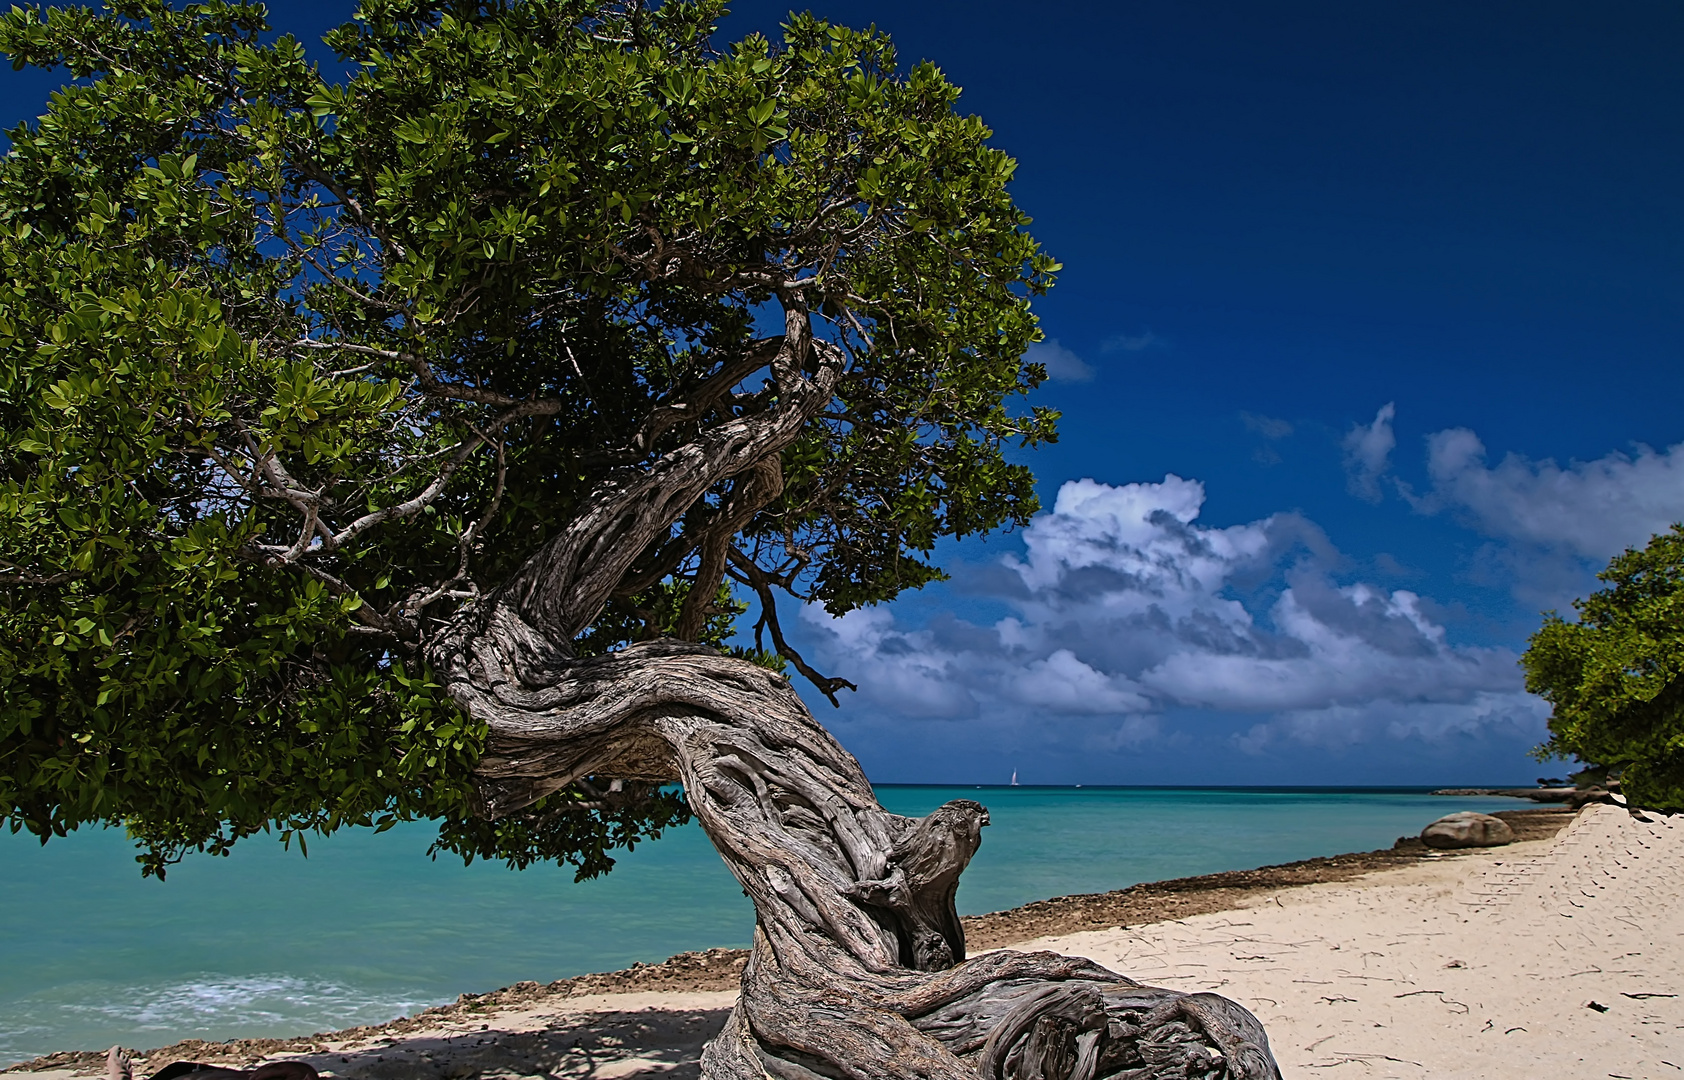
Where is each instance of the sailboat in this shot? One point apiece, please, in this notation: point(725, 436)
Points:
point(1014, 778)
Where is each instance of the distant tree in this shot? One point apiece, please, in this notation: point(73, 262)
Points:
point(396, 447)
point(1616, 676)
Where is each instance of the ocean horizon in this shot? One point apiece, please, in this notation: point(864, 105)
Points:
point(269, 943)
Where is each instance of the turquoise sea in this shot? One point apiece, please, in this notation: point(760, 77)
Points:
point(266, 942)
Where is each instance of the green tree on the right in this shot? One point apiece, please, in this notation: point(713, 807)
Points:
point(1615, 677)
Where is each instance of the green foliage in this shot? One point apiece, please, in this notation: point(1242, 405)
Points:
point(771, 661)
point(291, 368)
point(1616, 676)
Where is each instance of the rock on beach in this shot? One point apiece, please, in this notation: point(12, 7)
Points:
point(1467, 829)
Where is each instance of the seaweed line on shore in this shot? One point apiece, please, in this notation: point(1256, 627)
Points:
point(720, 970)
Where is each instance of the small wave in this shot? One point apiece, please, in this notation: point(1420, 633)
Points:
point(207, 1006)
point(216, 1001)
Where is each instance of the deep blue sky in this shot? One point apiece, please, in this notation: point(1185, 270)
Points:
point(1274, 220)
point(1302, 212)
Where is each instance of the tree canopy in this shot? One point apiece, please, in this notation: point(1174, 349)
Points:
point(1616, 676)
point(297, 369)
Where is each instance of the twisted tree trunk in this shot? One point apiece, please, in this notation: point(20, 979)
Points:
point(859, 967)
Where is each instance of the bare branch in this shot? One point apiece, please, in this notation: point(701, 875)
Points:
point(371, 619)
point(464, 450)
point(464, 547)
point(747, 571)
point(339, 283)
point(17, 575)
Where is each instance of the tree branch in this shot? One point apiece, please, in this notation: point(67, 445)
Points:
point(17, 575)
point(762, 484)
point(749, 573)
point(465, 449)
point(423, 372)
point(561, 588)
point(665, 416)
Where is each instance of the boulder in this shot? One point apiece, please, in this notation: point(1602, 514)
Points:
point(1467, 829)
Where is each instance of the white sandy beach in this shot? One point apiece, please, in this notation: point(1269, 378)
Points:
point(1482, 964)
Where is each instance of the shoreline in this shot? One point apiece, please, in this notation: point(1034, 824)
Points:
point(700, 983)
point(1538, 794)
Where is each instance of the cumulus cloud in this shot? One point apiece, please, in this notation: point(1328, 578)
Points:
point(1592, 509)
point(1062, 365)
point(1124, 605)
point(1368, 453)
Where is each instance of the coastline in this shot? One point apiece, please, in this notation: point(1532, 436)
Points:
point(669, 1008)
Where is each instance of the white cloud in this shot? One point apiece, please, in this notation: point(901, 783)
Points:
point(1521, 715)
point(1368, 453)
point(1062, 683)
point(1062, 365)
point(1592, 509)
point(1124, 605)
point(907, 668)
point(1358, 645)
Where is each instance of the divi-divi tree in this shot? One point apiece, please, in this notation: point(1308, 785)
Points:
point(410, 443)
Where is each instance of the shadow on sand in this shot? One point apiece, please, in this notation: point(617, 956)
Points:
point(603, 1046)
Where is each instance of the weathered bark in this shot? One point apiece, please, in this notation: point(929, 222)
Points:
point(859, 967)
point(564, 585)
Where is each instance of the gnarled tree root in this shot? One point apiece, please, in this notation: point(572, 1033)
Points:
point(1030, 1016)
point(858, 968)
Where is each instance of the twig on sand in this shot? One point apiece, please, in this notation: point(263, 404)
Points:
point(1362, 1059)
point(1441, 998)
